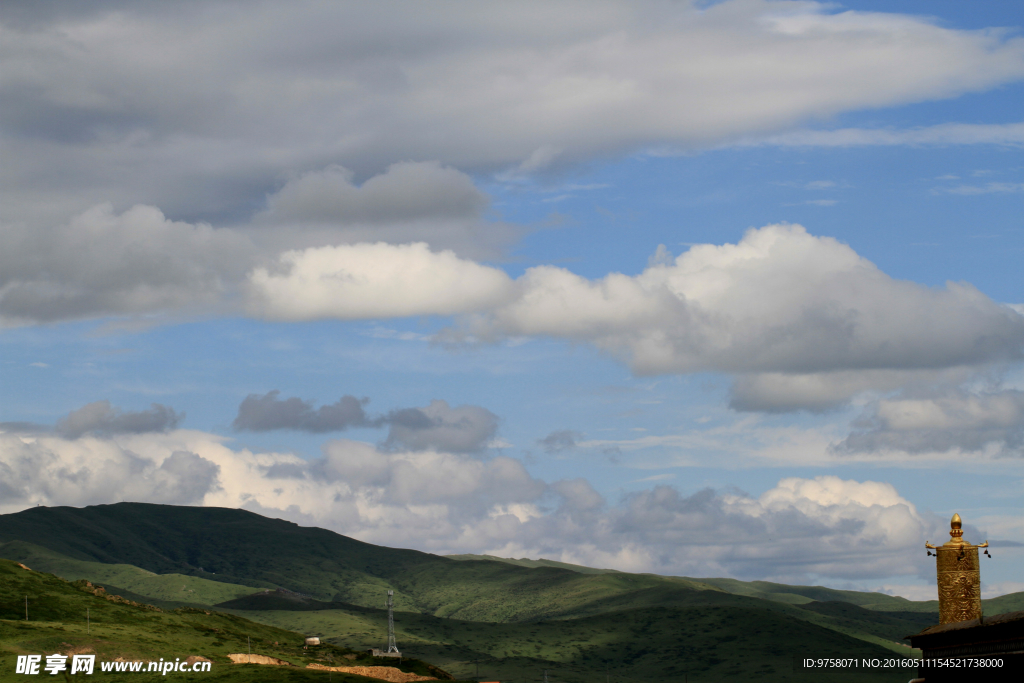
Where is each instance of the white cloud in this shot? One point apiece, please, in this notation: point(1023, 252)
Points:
point(656, 477)
point(777, 392)
point(103, 104)
point(104, 263)
point(780, 305)
point(816, 202)
point(801, 321)
point(373, 281)
point(960, 421)
point(994, 590)
point(822, 529)
point(990, 188)
point(139, 262)
point(1009, 134)
point(910, 591)
point(92, 471)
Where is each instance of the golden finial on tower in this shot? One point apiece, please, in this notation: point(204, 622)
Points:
point(955, 532)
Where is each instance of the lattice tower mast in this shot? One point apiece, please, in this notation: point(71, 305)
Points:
point(392, 646)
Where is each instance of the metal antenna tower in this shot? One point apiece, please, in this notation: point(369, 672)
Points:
point(392, 647)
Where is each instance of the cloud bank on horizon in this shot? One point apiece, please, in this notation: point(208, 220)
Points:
point(337, 161)
point(445, 502)
point(432, 486)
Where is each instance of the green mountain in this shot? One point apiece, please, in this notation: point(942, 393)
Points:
point(512, 618)
point(245, 549)
point(78, 618)
point(794, 595)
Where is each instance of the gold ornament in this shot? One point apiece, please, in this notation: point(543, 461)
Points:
point(959, 576)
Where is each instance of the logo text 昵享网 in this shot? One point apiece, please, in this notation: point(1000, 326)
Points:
point(85, 664)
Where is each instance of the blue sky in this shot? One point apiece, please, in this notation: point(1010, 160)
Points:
point(594, 282)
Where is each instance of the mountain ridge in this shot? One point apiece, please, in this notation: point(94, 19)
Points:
point(452, 611)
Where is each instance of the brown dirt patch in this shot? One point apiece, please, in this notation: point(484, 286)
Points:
point(257, 659)
point(384, 673)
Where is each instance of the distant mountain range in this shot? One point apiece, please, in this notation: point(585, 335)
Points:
point(512, 618)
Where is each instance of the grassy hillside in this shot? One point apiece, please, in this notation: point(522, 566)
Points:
point(242, 548)
point(57, 623)
point(701, 643)
point(219, 544)
point(165, 588)
point(794, 595)
point(876, 628)
point(532, 564)
point(709, 642)
point(518, 616)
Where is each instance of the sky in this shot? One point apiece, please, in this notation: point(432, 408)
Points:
point(694, 288)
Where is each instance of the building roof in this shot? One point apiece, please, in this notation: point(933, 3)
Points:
point(1000, 633)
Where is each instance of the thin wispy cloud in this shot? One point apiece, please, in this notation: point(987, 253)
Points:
point(1007, 134)
point(815, 202)
point(989, 188)
point(656, 477)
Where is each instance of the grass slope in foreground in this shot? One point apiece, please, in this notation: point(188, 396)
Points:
point(57, 623)
point(732, 638)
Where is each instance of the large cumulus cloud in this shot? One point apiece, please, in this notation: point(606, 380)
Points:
point(804, 321)
point(801, 321)
point(824, 528)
